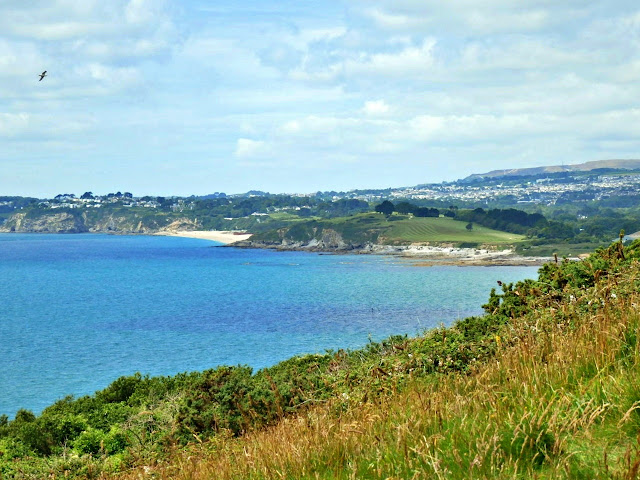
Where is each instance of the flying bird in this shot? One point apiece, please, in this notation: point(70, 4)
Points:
point(42, 75)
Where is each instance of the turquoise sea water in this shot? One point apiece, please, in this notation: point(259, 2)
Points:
point(78, 311)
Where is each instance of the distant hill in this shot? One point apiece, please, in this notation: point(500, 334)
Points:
point(579, 167)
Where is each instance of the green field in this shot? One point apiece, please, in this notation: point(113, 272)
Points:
point(443, 229)
point(392, 230)
point(286, 216)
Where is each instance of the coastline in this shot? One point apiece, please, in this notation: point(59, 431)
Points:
point(418, 255)
point(221, 236)
point(423, 255)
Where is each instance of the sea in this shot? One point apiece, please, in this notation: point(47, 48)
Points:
point(78, 311)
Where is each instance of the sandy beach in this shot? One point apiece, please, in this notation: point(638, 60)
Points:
point(215, 235)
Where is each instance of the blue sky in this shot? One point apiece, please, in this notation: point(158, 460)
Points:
point(191, 97)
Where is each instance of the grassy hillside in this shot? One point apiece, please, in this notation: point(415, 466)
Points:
point(391, 230)
point(443, 229)
point(544, 385)
point(556, 396)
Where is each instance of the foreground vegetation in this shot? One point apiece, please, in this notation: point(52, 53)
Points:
point(544, 385)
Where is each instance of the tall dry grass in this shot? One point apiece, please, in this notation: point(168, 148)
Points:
point(561, 399)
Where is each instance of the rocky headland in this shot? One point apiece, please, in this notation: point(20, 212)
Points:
point(423, 254)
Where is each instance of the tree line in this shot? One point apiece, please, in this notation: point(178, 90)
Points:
point(533, 225)
point(406, 208)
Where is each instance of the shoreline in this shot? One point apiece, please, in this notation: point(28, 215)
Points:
point(422, 255)
point(414, 255)
point(418, 255)
point(222, 236)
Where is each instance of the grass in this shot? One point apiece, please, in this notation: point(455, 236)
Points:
point(560, 399)
point(290, 217)
point(443, 229)
point(392, 230)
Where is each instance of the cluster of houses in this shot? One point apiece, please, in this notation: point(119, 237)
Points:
point(546, 191)
point(88, 200)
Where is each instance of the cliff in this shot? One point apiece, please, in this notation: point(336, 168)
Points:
point(321, 240)
point(128, 222)
point(62, 222)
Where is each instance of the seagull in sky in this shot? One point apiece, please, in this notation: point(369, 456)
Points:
point(42, 75)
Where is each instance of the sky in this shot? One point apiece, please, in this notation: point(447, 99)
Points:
point(161, 97)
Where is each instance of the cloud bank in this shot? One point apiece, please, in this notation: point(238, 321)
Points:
point(162, 97)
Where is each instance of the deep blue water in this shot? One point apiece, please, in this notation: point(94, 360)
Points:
point(78, 311)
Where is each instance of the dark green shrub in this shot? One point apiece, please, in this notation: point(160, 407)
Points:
point(62, 429)
point(115, 442)
point(120, 390)
point(90, 441)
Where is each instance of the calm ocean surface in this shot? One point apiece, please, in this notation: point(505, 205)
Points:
point(78, 311)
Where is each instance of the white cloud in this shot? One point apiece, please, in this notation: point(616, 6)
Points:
point(224, 61)
point(375, 107)
point(471, 16)
point(314, 35)
point(388, 81)
point(247, 148)
point(118, 77)
point(523, 54)
point(142, 11)
point(318, 128)
point(12, 125)
point(491, 21)
point(408, 61)
point(394, 21)
point(18, 59)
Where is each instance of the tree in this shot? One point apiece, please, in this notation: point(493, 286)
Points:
point(405, 208)
point(426, 212)
point(469, 226)
point(385, 207)
point(87, 195)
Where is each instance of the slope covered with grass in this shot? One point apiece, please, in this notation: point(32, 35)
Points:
point(443, 229)
point(557, 396)
point(544, 385)
point(389, 230)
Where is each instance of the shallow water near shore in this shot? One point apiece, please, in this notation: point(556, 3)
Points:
point(78, 311)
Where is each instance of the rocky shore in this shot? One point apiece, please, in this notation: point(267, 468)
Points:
point(422, 254)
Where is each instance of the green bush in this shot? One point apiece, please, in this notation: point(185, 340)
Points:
point(91, 441)
point(115, 441)
point(11, 448)
point(62, 429)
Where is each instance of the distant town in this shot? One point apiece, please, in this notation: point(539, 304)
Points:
point(547, 190)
